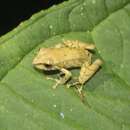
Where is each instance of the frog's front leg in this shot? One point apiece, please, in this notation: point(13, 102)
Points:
point(62, 80)
point(78, 44)
point(66, 77)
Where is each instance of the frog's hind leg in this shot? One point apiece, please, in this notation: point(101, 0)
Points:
point(82, 71)
point(78, 44)
point(87, 72)
point(59, 45)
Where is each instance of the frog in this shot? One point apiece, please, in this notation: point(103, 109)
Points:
point(66, 55)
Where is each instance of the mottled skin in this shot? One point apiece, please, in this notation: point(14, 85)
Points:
point(68, 55)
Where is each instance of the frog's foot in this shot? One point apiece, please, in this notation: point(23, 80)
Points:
point(56, 80)
point(72, 84)
point(56, 84)
point(79, 89)
point(81, 94)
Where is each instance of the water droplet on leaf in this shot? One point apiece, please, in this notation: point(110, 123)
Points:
point(62, 115)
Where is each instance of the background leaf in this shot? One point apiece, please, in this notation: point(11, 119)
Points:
point(27, 101)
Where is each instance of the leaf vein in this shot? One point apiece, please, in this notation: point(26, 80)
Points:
point(34, 106)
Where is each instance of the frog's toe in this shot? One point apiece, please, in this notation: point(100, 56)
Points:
point(68, 85)
point(56, 84)
point(73, 84)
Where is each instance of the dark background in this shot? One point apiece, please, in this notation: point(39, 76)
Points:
point(13, 12)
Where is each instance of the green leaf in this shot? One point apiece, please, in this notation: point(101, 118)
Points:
point(27, 100)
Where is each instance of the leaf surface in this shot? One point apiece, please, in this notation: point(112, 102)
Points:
point(27, 100)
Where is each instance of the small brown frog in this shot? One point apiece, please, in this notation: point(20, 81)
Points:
point(70, 54)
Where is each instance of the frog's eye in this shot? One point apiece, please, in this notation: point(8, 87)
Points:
point(48, 66)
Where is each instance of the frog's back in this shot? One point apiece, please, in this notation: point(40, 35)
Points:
point(68, 57)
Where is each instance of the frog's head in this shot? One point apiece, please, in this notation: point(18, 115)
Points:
point(42, 60)
point(43, 66)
